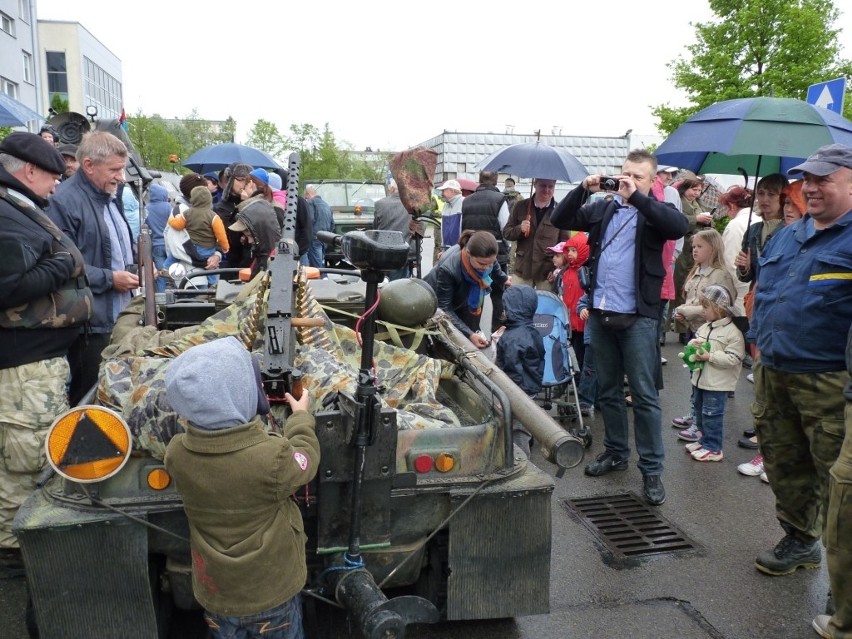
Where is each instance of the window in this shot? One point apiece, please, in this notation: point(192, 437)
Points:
point(7, 24)
point(101, 90)
point(28, 67)
point(8, 87)
point(24, 10)
point(57, 77)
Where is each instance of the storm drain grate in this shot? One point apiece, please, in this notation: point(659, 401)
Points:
point(628, 527)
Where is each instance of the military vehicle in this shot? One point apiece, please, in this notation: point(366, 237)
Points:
point(353, 206)
point(422, 510)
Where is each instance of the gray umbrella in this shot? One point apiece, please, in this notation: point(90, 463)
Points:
point(535, 160)
point(14, 113)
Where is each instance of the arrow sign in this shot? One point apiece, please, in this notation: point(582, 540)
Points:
point(828, 95)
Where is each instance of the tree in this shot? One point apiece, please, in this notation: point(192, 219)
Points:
point(757, 48)
point(264, 135)
point(154, 140)
point(323, 157)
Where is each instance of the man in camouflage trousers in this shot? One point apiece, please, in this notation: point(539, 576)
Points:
point(44, 299)
point(802, 313)
point(838, 528)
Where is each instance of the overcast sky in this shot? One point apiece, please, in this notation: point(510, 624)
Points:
point(392, 74)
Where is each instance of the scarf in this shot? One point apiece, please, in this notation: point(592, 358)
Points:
point(480, 284)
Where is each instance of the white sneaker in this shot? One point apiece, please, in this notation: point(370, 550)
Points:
point(753, 468)
point(691, 447)
point(750, 377)
point(764, 478)
point(704, 455)
point(820, 624)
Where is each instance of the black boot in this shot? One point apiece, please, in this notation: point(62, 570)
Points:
point(791, 552)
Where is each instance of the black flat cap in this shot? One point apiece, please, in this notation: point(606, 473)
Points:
point(30, 147)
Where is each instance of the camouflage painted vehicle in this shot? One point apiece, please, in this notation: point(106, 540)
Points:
point(417, 460)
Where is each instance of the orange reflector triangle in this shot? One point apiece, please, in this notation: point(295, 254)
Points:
point(88, 443)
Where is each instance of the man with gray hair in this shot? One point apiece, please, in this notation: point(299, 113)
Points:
point(86, 209)
point(320, 214)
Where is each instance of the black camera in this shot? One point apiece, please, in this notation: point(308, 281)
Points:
point(609, 184)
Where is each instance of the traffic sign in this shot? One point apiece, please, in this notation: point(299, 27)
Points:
point(828, 95)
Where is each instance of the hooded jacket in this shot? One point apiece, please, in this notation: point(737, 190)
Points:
point(259, 217)
point(520, 351)
point(237, 483)
point(205, 228)
point(571, 289)
point(157, 213)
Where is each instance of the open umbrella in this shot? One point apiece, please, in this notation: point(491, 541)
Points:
point(759, 135)
point(14, 113)
point(218, 156)
point(535, 160)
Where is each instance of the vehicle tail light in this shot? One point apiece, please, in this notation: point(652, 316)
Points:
point(159, 479)
point(423, 463)
point(444, 463)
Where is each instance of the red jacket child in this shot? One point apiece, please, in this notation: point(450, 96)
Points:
point(576, 251)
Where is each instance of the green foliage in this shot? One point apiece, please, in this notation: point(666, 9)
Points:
point(58, 104)
point(323, 157)
point(757, 48)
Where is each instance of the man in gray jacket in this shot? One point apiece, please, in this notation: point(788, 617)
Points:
point(86, 209)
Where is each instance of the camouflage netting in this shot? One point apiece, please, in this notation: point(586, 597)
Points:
point(132, 380)
point(414, 172)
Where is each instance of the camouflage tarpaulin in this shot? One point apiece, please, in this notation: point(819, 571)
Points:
point(132, 379)
point(414, 172)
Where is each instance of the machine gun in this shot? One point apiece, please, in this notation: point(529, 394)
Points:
point(277, 372)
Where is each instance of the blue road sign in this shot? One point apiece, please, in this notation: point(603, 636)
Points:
point(828, 95)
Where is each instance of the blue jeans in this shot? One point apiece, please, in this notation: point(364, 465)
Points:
point(587, 389)
point(281, 622)
point(710, 416)
point(316, 254)
point(636, 352)
point(159, 255)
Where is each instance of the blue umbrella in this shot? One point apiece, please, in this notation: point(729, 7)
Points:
point(759, 135)
point(14, 113)
point(535, 160)
point(218, 156)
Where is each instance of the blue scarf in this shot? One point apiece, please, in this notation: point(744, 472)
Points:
point(480, 284)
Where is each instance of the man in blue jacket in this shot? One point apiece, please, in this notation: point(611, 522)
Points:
point(802, 313)
point(86, 209)
point(626, 236)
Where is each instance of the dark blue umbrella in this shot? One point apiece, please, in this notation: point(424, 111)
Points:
point(760, 135)
point(218, 156)
point(14, 113)
point(535, 160)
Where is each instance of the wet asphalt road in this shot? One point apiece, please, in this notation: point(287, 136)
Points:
point(712, 592)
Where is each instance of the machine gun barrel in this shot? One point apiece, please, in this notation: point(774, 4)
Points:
point(559, 447)
point(146, 272)
point(277, 371)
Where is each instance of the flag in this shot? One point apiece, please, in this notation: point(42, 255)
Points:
point(122, 120)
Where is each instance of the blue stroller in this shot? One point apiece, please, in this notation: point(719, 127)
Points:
point(560, 363)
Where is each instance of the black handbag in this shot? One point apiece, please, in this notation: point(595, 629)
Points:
point(585, 278)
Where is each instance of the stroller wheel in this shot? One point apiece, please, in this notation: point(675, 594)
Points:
point(584, 435)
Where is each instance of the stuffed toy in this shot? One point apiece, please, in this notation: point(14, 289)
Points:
point(689, 353)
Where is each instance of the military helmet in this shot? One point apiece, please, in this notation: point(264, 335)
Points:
point(407, 302)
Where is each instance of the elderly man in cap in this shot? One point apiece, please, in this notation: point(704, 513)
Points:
point(86, 208)
point(532, 232)
point(44, 300)
point(802, 314)
point(666, 174)
point(69, 154)
point(451, 193)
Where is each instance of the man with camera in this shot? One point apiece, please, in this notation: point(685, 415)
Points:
point(626, 270)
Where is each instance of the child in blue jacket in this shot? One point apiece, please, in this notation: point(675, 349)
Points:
point(520, 351)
